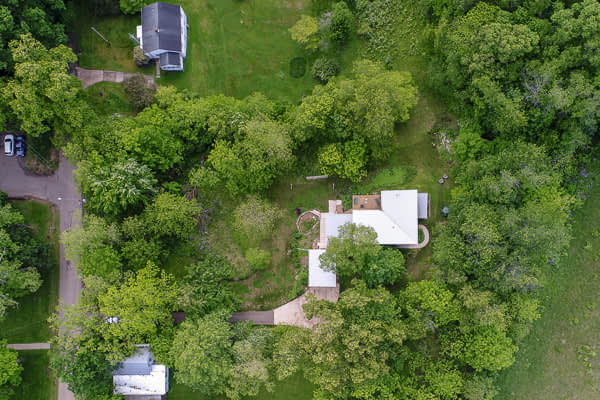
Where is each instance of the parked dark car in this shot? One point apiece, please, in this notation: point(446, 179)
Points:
point(20, 145)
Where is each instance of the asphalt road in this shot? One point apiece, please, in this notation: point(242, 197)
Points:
point(60, 190)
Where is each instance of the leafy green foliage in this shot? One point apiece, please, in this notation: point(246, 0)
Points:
point(205, 288)
point(42, 96)
point(139, 93)
point(113, 189)
point(365, 108)
point(355, 252)
point(142, 304)
point(342, 23)
point(364, 320)
point(203, 362)
point(42, 19)
point(92, 248)
point(10, 370)
point(258, 259)
point(255, 219)
point(17, 279)
point(346, 160)
point(306, 32)
point(133, 6)
point(249, 164)
point(325, 68)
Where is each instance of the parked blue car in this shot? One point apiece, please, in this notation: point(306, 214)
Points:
point(20, 146)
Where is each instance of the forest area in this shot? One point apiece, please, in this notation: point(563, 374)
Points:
point(189, 205)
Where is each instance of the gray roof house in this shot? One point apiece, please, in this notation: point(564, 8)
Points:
point(138, 377)
point(163, 35)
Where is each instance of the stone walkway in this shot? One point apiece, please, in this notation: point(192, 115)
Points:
point(89, 77)
point(290, 313)
point(29, 346)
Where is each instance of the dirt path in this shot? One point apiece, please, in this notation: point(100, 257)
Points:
point(89, 77)
point(60, 190)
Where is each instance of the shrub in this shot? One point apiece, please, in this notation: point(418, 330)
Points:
point(297, 67)
point(255, 219)
point(325, 68)
point(138, 92)
point(342, 23)
point(258, 259)
point(306, 32)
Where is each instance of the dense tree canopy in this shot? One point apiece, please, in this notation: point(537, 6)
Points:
point(43, 19)
point(355, 252)
point(16, 279)
point(10, 371)
point(42, 96)
point(366, 107)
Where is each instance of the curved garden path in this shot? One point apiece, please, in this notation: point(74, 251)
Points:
point(60, 190)
point(420, 245)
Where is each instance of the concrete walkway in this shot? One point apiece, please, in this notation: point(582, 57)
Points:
point(291, 313)
point(60, 190)
point(89, 77)
point(424, 243)
point(29, 346)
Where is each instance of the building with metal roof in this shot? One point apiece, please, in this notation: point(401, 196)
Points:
point(139, 377)
point(163, 35)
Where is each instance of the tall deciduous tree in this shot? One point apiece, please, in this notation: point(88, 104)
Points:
point(202, 354)
point(355, 252)
point(142, 304)
point(92, 247)
point(10, 371)
point(111, 189)
point(42, 96)
point(366, 107)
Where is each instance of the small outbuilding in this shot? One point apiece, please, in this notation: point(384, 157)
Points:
point(138, 377)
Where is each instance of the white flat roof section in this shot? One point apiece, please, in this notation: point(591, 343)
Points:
point(155, 383)
point(334, 222)
point(396, 223)
point(317, 277)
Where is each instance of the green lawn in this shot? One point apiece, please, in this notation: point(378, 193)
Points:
point(294, 388)
point(28, 323)
point(235, 47)
point(94, 52)
point(555, 362)
point(38, 381)
point(108, 98)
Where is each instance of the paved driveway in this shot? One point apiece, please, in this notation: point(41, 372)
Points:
point(60, 190)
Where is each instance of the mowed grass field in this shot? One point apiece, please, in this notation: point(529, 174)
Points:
point(28, 323)
point(294, 388)
point(560, 360)
point(38, 381)
point(235, 47)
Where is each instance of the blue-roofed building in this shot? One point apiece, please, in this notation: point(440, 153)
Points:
point(163, 35)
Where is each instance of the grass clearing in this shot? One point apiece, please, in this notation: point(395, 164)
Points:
point(555, 362)
point(28, 323)
point(296, 388)
point(108, 98)
point(39, 382)
point(234, 48)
